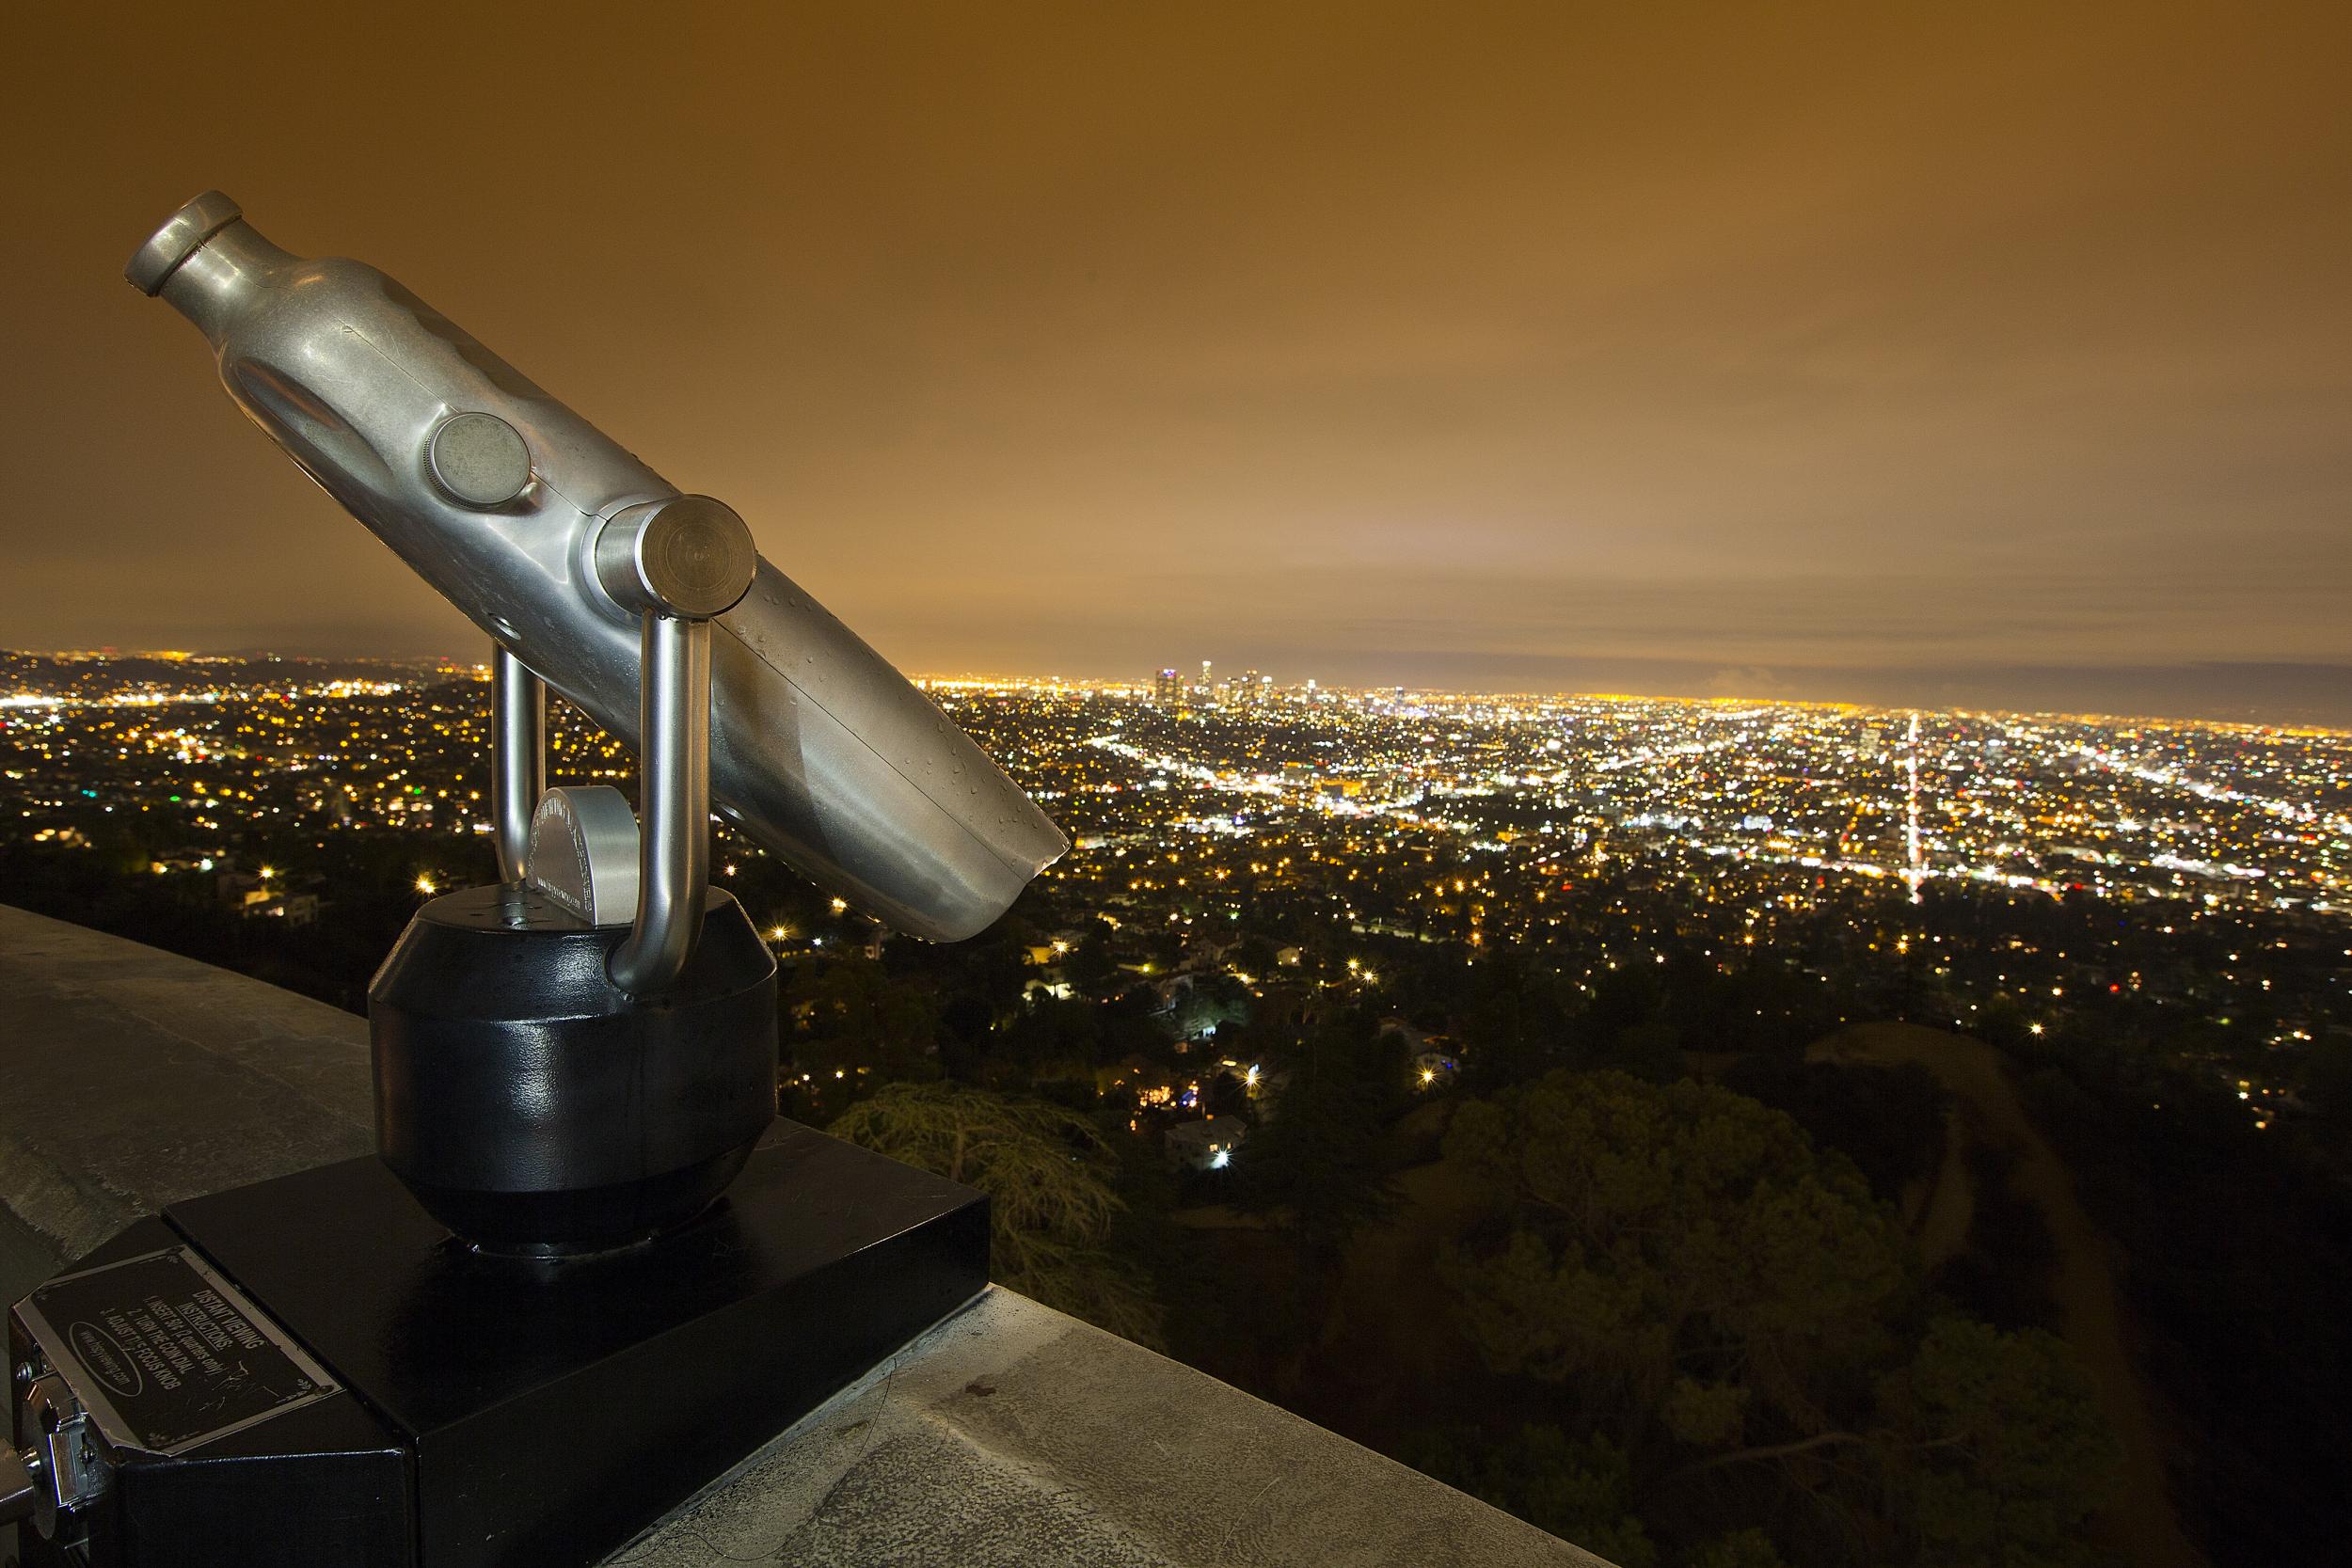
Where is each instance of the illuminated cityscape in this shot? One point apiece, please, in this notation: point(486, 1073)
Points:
point(1348, 834)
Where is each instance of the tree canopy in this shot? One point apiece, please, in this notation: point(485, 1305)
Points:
point(1321, 1157)
point(1047, 1174)
point(1997, 1453)
point(1676, 1267)
point(1679, 1250)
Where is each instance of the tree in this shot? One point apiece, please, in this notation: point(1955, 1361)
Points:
point(869, 1021)
point(1047, 1174)
point(1225, 1095)
point(1679, 1254)
point(1322, 1154)
point(1512, 1020)
point(2328, 1077)
point(1255, 955)
point(1888, 1120)
point(1577, 1490)
point(1740, 1548)
point(1678, 1268)
point(1649, 1049)
point(1051, 1038)
point(1210, 1003)
point(1996, 1449)
point(847, 1027)
point(1092, 966)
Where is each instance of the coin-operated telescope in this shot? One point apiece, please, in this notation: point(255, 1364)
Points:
point(590, 1269)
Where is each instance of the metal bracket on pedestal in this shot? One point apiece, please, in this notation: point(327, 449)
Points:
point(676, 564)
point(519, 759)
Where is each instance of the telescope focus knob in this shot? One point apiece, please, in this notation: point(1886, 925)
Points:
point(689, 556)
point(479, 459)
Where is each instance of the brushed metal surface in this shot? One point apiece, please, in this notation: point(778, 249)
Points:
point(674, 792)
point(584, 852)
point(820, 750)
point(519, 759)
point(691, 556)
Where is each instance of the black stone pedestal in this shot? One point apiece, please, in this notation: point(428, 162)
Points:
point(481, 1410)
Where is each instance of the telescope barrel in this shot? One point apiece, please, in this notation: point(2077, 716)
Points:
point(498, 495)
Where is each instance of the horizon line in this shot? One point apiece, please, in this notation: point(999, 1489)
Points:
point(1141, 687)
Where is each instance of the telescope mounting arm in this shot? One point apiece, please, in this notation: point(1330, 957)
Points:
point(519, 759)
point(678, 563)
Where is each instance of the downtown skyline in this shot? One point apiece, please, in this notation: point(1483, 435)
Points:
point(2303, 699)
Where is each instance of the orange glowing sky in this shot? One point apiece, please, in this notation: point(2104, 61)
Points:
point(1993, 353)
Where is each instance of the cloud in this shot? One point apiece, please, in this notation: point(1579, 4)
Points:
point(1752, 681)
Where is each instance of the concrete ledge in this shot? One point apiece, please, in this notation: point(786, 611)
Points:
point(1009, 1435)
point(132, 1078)
point(1012, 1436)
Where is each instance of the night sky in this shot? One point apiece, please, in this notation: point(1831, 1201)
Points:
point(1970, 354)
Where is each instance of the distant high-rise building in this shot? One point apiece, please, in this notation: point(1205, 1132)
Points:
point(1208, 687)
point(1168, 687)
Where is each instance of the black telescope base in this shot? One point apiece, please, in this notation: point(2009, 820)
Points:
point(534, 1108)
point(311, 1371)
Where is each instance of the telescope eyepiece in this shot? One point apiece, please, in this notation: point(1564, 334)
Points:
point(182, 236)
point(689, 556)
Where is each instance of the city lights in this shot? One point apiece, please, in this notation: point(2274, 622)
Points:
point(1600, 832)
